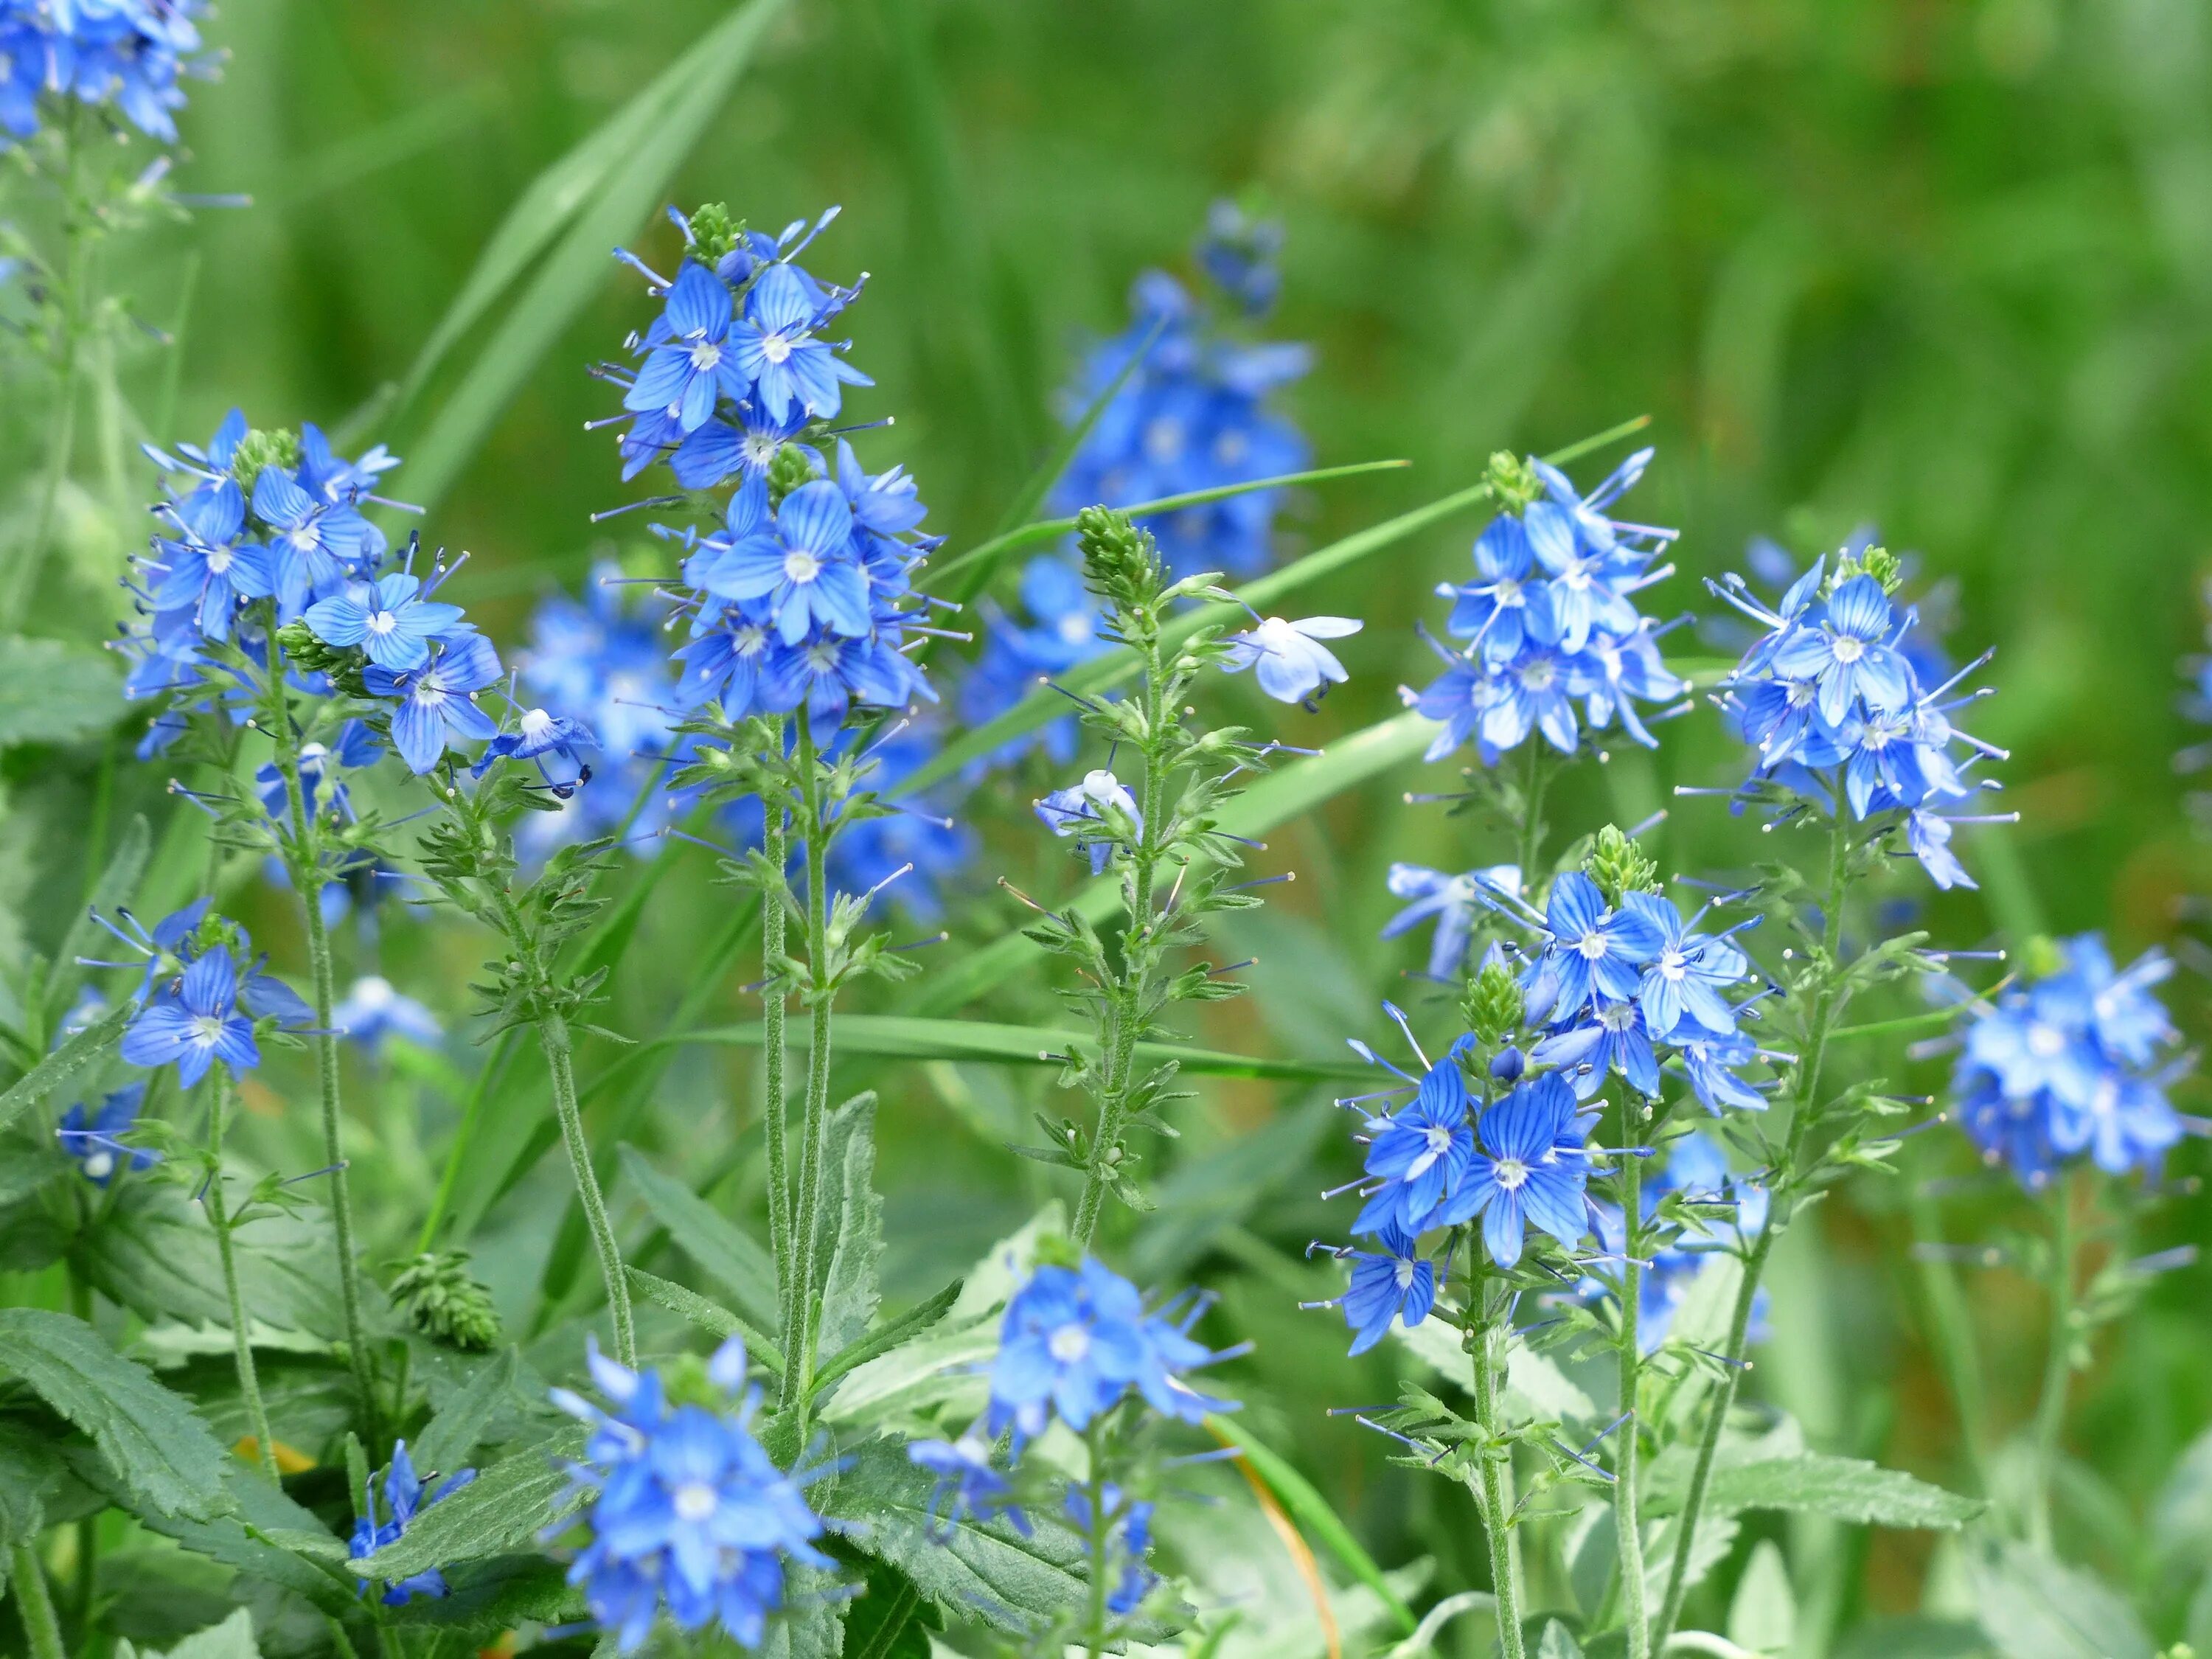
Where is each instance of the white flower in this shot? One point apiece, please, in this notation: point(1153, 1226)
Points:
point(1292, 665)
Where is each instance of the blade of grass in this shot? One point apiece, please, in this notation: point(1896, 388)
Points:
point(688, 97)
point(901, 1037)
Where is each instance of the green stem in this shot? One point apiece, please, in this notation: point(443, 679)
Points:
point(774, 850)
point(1496, 1507)
point(1127, 1003)
point(249, 1383)
point(800, 1337)
point(1533, 786)
point(1627, 1526)
point(34, 1605)
point(1826, 1004)
point(2057, 1368)
point(304, 869)
point(1951, 1326)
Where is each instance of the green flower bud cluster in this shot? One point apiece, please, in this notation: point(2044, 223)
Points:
point(1618, 866)
point(440, 1300)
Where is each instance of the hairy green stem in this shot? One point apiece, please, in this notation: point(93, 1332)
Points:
point(33, 1604)
point(1128, 996)
point(1627, 1525)
point(241, 1344)
point(2058, 1366)
point(775, 844)
point(799, 1335)
point(305, 872)
point(553, 1037)
point(1532, 785)
point(1826, 1004)
point(1495, 1505)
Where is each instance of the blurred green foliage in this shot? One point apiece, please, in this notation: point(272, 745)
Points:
point(1943, 268)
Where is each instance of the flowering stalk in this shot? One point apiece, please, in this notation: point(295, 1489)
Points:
point(1496, 1466)
point(775, 833)
point(1627, 1531)
point(34, 1603)
point(296, 845)
point(817, 993)
point(249, 1384)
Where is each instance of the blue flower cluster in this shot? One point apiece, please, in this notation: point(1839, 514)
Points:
point(199, 1000)
point(403, 1500)
point(686, 1510)
point(1832, 699)
point(2076, 1062)
point(1195, 413)
point(124, 54)
point(1554, 639)
point(803, 597)
point(1697, 1168)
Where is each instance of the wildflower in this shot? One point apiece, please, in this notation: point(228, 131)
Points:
point(1395, 1286)
point(1614, 1039)
point(1420, 1154)
point(1126, 1536)
point(403, 1500)
point(1077, 1341)
point(437, 699)
point(1844, 650)
point(1530, 1166)
point(316, 544)
point(373, 1010)
point(968, 1482)
point(1592, 950)
point(1099, 812)
point(97, 1145)
point(1712, 1063)
point(209, 570)
point(556, 742)
point(1697, 1168)
point(196, 1027)
point(1450, 902)
point(802, 566)
point(1686, 972)
point(1293, 665)
point(390, 619)
point(321, 769)
point(829, 672)
point(776, 348)
point(692, 361)
point(718, 450)
point(686, 1510)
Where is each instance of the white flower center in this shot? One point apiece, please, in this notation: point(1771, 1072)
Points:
point(219, 559)
point(1673, 964)
point(706, 357)
point(373, 993)
point(1512, 1173)
point(2045, 1041)
point(1076, 627)
point(1506, 593)
point(1617, 1016)
point(381, 622)
point(761, 452)
point(1163, 439)
point(775, 348)
point(1849, 648)
point(694, 1501)
point(1230, 448)
point(1405, 1275)
point(206, 1029)
point(1069, 1344)
point(1591, 945)
point(801, 566)
point(1537, 676)
point(428, 693)
point(536, 724)
point(99, 1165)
point(308, 538)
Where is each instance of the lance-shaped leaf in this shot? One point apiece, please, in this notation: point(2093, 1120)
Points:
point(1844, 1488)
point(503, 1509)
point(718, 1245)
point(86, 1047)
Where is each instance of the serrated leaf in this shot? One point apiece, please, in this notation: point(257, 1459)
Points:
point(2035, 1608)
point(88, 1046)
point(891, 1618)
point(724, 1250)
point(849, 1226)
point(154, 1442)
point(709, 1316)
point(30, 1468)
point(268, 1511)
point(55, 691)
point(1844, 1488)
point(507, 1504)
point(969, 1568)
point(448, 1439)
point(496, 1594)
point(233, 1638)
point(904, 1329)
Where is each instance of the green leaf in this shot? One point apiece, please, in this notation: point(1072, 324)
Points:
point(88, 1046)
point(967, 1568)
point(709, 1316)
point(2035, 1608)
point(231, 1640)
point(1558, 1643)
point(1844, 1488)
point(268, 1512)
point(905, 1328)
point(1763, 1615)
point(498, 1594)
point(1275, 799)
point(905, 1036)
point(890, 1619)
point(448, 1439)
point(723, 1249)
point(30, 1468)
point(1313, 1513)
point(849, 1226)
point(1914, 1638)
point(614, 187)
point(54, 691)
point(508, 1504)
point(2181, 1517)
point(154, 1252)
point(26, 1165)
point(154, 1441)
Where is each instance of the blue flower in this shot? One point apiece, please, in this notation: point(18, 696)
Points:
point(1077, 1342)
point(686, 1510)
point(1293, 665)
point(97, 1146)
point(373, 1010)
point(1450, 902)
point(315, 544)
point(829, 672)
point(802, 565)
point(1127, 1538)
point(320, 772)
point(209, 571)
point(1099, 812)
point(390, 619)
point(1686, 972)
point(1530, 1168)
point(718, 450)
point(1697, 1168)
point(1615, 1039)
point(913, 835)
point(126, 54)
point(1062, 629)
point(1712, 1063)
point(556, 742)
point(1844, 648)
point(1592, 950)
point(199, 1026)
point(437, 699)
point(969, 1481)
point(403, 1500)
point(1420, 1154)
point(689, 361)
point(775, 345)
point(1394, 1285)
